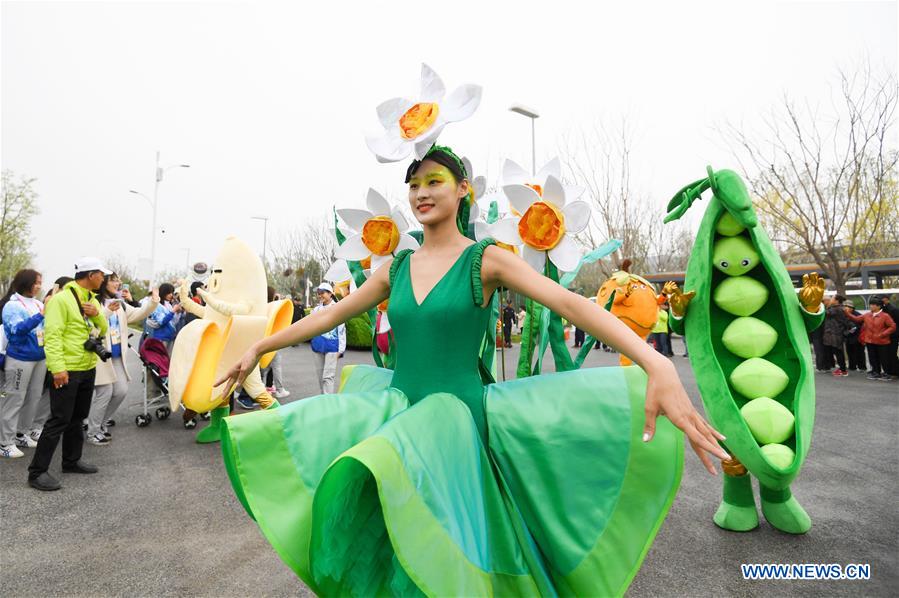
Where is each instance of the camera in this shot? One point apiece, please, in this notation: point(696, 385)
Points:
point(95, 345)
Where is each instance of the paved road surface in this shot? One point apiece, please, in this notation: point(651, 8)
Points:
point(160, 519)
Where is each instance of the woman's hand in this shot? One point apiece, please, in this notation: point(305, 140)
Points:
point(665, 395)
point(236, 375)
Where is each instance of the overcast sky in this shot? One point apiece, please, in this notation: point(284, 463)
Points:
point(269, 102)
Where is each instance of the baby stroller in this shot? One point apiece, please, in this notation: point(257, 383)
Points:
point(155, 358)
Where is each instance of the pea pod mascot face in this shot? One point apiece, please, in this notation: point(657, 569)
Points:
point(747, 330)
point(236, 315)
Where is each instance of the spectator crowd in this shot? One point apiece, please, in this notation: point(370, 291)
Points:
point(64, 357)
point(851, 340)
point(64, 360)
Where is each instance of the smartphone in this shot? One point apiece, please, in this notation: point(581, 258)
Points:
point(126, 286)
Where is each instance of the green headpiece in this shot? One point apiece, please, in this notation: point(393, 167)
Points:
point(445, 156)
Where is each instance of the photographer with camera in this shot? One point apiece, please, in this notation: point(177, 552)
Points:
point(74, 327)
point(112, 376)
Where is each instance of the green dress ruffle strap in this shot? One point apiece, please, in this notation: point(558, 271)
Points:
point(394, 486)
point(477, 256)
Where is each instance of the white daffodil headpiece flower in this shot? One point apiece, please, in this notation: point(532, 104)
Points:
point(546, 225)
point(478, 187)
point(410, 124)
point(378, 232)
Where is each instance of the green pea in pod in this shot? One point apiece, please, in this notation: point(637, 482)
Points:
point(747, 335)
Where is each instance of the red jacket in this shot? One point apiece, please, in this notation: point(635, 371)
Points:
point(876, 330)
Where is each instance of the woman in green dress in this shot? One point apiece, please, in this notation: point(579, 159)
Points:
point(435, 479)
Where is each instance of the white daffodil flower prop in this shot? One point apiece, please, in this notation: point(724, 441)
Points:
point(378, 232)
point(339, 274)
point(414, 125)
point(479, 186)
point(546, 225)
point(514, 174)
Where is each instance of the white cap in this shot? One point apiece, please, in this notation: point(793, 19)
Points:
point(87, 263)
point(325, 287)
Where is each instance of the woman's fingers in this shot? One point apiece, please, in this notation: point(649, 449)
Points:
point(709, 443)
point(704, 457)
point(230, 376)
point(649, 428)
point(701, 438)
point(702, 424)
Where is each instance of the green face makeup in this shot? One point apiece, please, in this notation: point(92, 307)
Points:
point(436, 174)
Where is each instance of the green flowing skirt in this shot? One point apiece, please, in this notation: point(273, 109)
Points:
point(362, 494)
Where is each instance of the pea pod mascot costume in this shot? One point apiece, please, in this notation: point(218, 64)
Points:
point(747, 330)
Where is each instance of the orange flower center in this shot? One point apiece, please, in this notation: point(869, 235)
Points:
point(418, 119)
point(542, 226)
point(380, 235)
point(342, 289)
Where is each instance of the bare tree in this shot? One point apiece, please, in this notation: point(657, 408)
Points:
point(825, 184)
point(300, 255)
point(599, 159)
point(18, 207)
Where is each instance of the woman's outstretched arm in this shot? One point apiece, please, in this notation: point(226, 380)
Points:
point(664, 392)
point(371, 293)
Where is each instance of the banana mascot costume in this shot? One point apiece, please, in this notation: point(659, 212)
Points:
point(235, 316)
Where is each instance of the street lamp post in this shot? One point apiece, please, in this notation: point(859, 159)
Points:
point(533, 115)
point(264, 234)
point(154, 203)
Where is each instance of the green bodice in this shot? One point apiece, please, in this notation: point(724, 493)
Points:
point(438, 342)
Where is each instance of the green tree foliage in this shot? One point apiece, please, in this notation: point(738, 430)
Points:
point(19, 206)
point(358, 332)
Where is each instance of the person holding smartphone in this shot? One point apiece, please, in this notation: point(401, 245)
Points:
point(111, 385)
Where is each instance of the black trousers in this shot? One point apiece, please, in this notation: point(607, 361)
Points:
point(856, 352)
point(892, 367)
point(579, 337)
point(823, 359)
point(838, 354)
point(69, 405)
point(879, 356)
point(507, 332)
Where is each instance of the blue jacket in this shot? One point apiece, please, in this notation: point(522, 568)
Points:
point(24, 332)
point(163, 323)
point(332, 341)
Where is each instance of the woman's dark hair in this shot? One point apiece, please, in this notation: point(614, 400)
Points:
point(22, 282)
point(194, 286)
point(165, 289)
point(103, 294)
point(443, 156)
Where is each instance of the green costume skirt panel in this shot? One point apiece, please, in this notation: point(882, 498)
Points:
point(362, 494)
